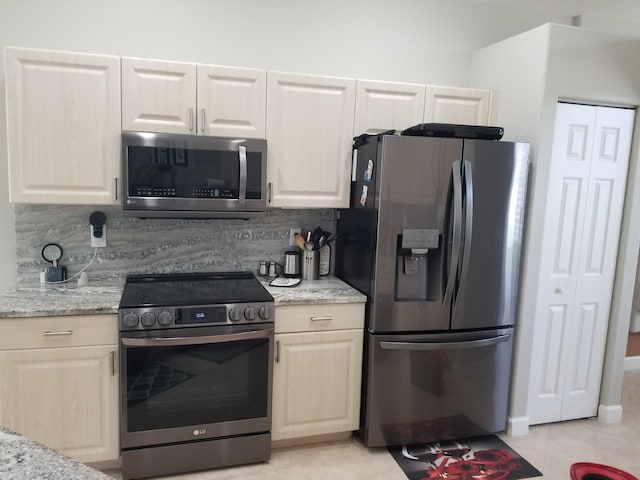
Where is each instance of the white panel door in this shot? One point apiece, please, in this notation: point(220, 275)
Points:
point(63, 127)
point(316, 383)
point(382, 106)
point(584, 210)
point(231, 101)
point(466, 106)
point(309, 126)
point(65, 398)
point(158, 96)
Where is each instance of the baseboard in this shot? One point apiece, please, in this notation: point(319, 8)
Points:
point(610, 414)
point(632, 363)
point(518, 426)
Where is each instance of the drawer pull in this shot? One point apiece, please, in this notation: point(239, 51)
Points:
point(321, 319)
point(58, 334)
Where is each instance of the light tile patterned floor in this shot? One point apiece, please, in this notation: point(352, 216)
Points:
point(550, 448)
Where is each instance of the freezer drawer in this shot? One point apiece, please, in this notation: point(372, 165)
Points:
point(429, 387)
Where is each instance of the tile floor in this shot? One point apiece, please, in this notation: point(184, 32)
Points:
point(550, 448)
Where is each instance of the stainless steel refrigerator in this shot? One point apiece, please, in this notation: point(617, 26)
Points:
point(433, 238)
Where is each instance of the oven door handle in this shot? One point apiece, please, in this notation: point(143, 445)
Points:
point(200, 340)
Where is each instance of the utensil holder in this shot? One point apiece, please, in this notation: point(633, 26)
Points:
point(310, 265)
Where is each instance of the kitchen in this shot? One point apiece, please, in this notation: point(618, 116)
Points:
point(451, 68)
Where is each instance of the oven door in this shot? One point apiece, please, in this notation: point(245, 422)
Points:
point(195, 383)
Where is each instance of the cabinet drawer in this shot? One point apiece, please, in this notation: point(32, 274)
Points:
point(52, 332)
point(311, 318)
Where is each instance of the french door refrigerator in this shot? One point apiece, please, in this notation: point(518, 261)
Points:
point(433, 238)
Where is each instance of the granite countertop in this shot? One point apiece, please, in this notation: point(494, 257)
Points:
point(40, 301)
point(24, 459)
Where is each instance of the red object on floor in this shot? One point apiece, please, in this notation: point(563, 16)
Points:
point(596, 471)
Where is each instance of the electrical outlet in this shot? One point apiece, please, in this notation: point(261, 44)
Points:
point(292, 236)
point(98, 241)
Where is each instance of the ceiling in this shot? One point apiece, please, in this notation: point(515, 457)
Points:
point(628, 10)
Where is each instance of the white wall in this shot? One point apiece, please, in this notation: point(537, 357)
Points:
point(559, 62)
point(517, 68)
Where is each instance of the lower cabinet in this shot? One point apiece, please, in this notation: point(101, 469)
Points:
point(317, 373)
point(59, 383)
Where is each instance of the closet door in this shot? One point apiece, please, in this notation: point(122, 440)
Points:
point(583, 216)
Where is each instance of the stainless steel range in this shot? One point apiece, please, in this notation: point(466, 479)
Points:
point(196, 355)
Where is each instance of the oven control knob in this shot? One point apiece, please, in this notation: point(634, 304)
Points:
point(165, 318)
point(131, 320)
point(148, 319)
point(265, 313)
point(250, 313)
point(235, 314)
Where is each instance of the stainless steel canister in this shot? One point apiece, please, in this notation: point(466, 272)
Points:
point(292, 264)
point(310, 264)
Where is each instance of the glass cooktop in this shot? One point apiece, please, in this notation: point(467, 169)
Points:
point(192, 289)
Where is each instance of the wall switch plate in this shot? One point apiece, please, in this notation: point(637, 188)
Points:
point(292, 236)
point(98, 242)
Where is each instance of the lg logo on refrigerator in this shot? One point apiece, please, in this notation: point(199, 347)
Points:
point(199, 431)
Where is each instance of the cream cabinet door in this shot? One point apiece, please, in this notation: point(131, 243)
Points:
point(316, 383)
point(382, 106)
point(63, 127)
point(464, 106)
point(65, 398)
point(158, 96)
point(189, 98)
point(231, 101)
point(309, 126)
point(589, 163)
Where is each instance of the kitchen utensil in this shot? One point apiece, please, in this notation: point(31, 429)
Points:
point(310, 264)
point(292, 264)
point(309, 245)
point(299, 241)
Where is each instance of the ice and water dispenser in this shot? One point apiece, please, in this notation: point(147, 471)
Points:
point(418, 270)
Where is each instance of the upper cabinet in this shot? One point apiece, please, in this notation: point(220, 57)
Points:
point(177, 97)
point(63, 126)
point(382, 106)
point(465, 106)
point(309, 130)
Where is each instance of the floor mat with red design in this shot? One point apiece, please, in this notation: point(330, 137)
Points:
point(477, 458)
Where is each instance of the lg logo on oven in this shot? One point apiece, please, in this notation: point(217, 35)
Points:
point(199, 431)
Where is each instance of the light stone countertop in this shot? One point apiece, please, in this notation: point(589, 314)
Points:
point(24, 459)
point(40, 301)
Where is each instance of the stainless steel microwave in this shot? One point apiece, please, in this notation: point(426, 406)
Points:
point(186, 176)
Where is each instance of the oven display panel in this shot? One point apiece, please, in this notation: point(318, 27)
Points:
point(201, 315)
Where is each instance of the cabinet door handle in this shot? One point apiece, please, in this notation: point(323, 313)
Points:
point(58, 334)
point(202, 118)
point(270, 186)
point(277, 351)
point(321, 319)
point(112, 356)
point(191, 119)
point(115, 191)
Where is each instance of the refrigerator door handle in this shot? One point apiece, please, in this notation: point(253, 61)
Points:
point(430, 346)
point(457, 232)
point(468, 223)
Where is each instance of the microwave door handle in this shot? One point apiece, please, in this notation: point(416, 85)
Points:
point(242, 193)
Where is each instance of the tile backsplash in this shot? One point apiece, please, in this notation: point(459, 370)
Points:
point(154, 245)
